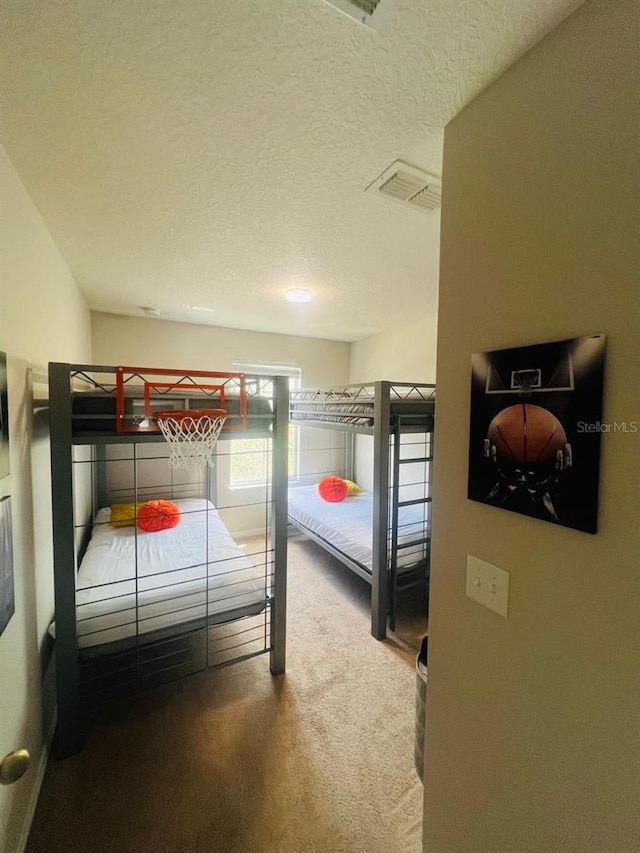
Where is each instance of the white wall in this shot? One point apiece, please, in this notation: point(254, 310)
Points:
point(43, 318)
point(161, 343)
point(533, 721)
point(402, 354)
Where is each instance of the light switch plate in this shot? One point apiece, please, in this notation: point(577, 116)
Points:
point(488, 585)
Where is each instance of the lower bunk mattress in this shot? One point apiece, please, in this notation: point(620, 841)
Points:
point(137, 585)
point(348, 526)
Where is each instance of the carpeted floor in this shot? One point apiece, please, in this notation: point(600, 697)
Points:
point(235, 761)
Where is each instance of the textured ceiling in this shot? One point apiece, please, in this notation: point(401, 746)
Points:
point(190, 152)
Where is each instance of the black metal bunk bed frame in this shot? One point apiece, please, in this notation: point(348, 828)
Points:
point(398, 408)
point(67, 433)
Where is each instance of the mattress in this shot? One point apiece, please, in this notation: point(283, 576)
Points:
point(348, 525)
point(134, 583)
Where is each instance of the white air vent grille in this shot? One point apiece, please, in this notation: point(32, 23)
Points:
point(370, 12)
point(428, 197)
point(366, 6)
point(409, 185)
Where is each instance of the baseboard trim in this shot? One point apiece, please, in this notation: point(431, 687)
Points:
point(35, 793)
point(239, 534)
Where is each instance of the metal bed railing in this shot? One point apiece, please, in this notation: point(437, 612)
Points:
point(357, 407)
point(365, 392)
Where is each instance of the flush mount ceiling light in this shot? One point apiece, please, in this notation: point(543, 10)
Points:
point(298, 294)
point(200, 308)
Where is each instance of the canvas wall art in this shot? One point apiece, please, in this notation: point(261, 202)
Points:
point(534, 434)
point(4, 418)
point(7, 598)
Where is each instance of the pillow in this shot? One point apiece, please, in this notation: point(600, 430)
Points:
point(354, 488)
point(124, 515)
point(158, 515)
point(333, 489)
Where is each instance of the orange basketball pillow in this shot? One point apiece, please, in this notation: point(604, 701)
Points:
point(158, 515)
point(333, 489)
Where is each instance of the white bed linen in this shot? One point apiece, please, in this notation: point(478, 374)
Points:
point(172, 573)
point(348, 524)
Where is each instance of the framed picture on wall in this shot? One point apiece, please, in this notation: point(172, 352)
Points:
point(535, 430)
point(4, 418)
point(7, 597)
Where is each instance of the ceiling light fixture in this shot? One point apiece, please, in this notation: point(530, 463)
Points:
point(200, 308)
point(298, 294)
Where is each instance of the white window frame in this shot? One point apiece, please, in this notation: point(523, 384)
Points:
point(266, 368)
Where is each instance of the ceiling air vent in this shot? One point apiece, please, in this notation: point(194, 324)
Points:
point(409, 185)
point(369, 12)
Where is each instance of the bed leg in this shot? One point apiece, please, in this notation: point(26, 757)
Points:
point(379, 631)
point(277, 660)
point(379, 600)
point(378, 619)
point(276, 665)
point(277, 655)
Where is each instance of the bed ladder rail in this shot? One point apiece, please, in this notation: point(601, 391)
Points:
point(395, 507)
point(415, 502)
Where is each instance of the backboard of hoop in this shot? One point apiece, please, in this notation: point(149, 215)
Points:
point(530, 370)
point(143, 391)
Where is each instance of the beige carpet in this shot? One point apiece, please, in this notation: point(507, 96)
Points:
point(235, 761)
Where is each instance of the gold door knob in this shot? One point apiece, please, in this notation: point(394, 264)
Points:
point(13, 766)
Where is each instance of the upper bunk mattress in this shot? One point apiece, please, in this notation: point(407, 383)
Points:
point(133, 583)
point(348, 525)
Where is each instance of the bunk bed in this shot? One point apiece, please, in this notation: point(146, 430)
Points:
point(382, 535)
point(137, 606)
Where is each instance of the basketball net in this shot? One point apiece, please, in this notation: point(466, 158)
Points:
point(525, 381)
point(191, 435)
point(525, 388)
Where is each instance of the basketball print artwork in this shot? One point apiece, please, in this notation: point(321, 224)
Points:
point(529, 451)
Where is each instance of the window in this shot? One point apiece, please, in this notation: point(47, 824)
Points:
point(250, 458)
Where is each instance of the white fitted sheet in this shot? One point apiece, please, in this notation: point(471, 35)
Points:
point(174, 576)
point(348, 525)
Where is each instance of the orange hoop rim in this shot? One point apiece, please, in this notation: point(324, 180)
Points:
point(195, 414)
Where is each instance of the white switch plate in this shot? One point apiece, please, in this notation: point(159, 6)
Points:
point(488, 585)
